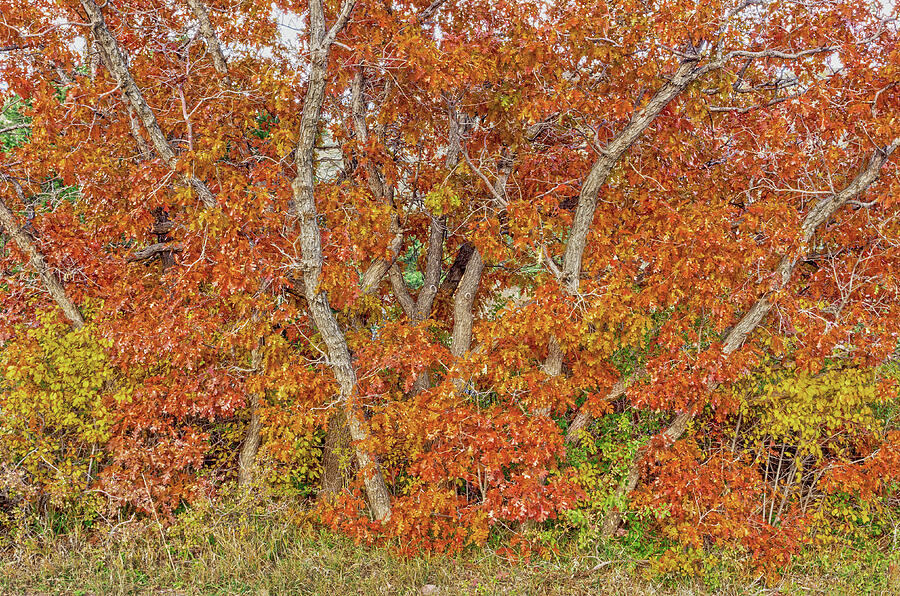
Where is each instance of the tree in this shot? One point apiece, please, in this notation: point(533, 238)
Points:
point(462, 241)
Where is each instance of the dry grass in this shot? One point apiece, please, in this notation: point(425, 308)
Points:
point(246, 551)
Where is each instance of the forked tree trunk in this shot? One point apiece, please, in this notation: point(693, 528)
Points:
point(304, 209)
point(337, 464)
point(472, 264)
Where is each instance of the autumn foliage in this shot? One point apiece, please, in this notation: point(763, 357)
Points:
point(452, 270)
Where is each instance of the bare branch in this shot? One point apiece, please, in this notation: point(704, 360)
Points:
point(501, 200)
point(151, 251)
point(781, 55)
point(429, 11)
point(15, 127)
point(549, 264)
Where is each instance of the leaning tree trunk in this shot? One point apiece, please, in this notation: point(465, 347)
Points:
point(26, 244)
point(688, 71)
point(304, 209)
point(114, 60)
point(822, 211)
point(209, 36)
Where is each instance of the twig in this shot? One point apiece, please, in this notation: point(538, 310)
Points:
point(162, 536)
point(14, 128)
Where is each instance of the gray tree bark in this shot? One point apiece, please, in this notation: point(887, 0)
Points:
point(337, 455)
point(39, 264)
point(209, 36)
point(420, 309)
point(380, 189)
point(336, 466)
point(304, 209)
point(688, 71)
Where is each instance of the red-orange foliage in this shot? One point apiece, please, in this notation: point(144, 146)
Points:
point(518, 204)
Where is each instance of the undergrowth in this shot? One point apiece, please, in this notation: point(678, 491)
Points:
point(251, 546)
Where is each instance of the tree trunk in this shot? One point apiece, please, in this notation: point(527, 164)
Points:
point(250, 447)
point(337, 461)
point(40, 266)
point(582, 418)
point(822, 211)
point(304, 209)
point(463, 303)
point(466, 288)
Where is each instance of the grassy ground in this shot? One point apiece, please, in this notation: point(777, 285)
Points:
point(236, 552)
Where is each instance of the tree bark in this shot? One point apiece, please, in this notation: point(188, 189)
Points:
point(457, 269)
point(380, 189)
point(463, 302)
point(613, 518)
point(467, 287)
point(250, 447)
point(582, 418)
point(210, 37)
point(337, 457)
point(337, 468)
point(304, 209)
point(39, 264)
point(688, 71)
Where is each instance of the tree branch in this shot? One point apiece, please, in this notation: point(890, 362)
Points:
point(14, 127)
point(39, 264)
point(151, 251)
point(209, 35)
point(114, 60)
